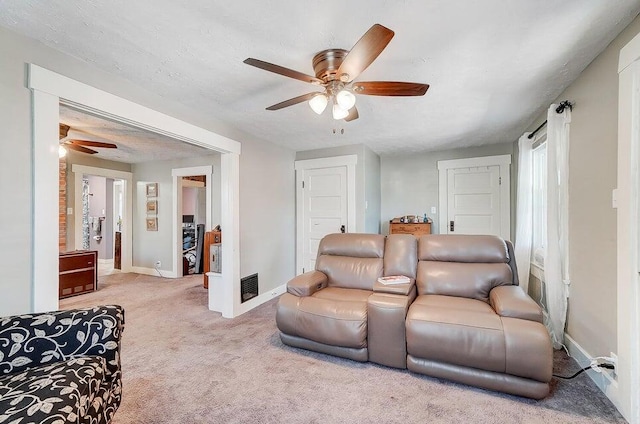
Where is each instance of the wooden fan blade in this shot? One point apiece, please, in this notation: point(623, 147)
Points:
point(93, 144)
point(283, 71)
point(64, 130)
point(353, 114)
point(364, 52)
point(390, 88)
point(293, 101)
point(79, 148)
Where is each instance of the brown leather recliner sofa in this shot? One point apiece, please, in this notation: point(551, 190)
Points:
point(462, 317)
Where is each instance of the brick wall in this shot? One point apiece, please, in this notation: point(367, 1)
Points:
point(62, 206)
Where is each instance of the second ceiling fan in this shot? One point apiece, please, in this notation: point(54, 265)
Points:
point(336, 70)
point(81, 146)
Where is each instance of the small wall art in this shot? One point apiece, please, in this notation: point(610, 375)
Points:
point(152, 207)
point(152, 224)
point(152, 189)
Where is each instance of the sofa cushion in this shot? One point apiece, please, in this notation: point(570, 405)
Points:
point(352, 244)
point(457, 331)
point(329, 321)
point(351, 260)
point(472, 280)
point(60, 392)
point(401, 255)
point(341, 294)
point(468, 332)
point(350, 272)
point(462, 248)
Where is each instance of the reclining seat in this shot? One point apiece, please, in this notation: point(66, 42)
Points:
point(472, 323)
point(325, 310)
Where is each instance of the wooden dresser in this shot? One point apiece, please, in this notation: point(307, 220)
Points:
point(416, 228)
point(78, 272)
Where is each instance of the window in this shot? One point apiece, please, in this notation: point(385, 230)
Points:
point(539, 202)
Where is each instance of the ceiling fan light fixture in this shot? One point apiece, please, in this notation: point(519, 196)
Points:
point(346, 99)
point(319, 103)
point(62, 152)
point(339, 112)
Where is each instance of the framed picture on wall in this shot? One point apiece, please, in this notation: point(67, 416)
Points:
point(152, 189)
point(152, 207)
point(152, 224)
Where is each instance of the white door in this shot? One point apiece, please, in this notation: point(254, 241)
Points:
point(325, 208)
point(325, 202)
point(473, 196)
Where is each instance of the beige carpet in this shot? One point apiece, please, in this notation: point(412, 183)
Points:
point(184, 364)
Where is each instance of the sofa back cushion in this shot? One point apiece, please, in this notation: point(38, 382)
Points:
point(351, 260)
point(462, 265)
point(401, 255)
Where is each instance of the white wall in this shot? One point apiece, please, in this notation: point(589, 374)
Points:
point(409, 183)
point(267, 214)
point(372, 192)
point(16, 238)
point(189, 199)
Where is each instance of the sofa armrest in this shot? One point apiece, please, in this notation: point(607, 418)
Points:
point(27, 341)
point(401, 289)
point(513, 302)
point(386, 332)
point(307, 284)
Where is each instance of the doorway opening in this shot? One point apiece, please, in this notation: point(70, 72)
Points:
point(192, 205)
point(49, 90)
point(194, 219)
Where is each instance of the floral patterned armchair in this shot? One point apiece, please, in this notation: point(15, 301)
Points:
point(61, 367)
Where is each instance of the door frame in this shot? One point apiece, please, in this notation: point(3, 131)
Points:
point(48, 91)
point(177, 174)
point(627, 200)
point(301, 166)
point(503, 161)
point(127, 233)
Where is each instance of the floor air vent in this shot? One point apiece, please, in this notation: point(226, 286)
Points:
point(248, 287)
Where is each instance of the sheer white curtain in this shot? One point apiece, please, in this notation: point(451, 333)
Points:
point(556, 258)
point(524, 210)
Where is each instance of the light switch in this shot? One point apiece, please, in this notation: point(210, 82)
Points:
point(433, 210)
point(69, 211)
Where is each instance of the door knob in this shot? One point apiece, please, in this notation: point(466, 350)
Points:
point(342, 229)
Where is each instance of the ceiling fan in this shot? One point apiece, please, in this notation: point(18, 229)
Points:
point(81, 146)
point(336, 70)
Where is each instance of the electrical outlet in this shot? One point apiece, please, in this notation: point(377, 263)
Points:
point(433, 210)
point(158, 264)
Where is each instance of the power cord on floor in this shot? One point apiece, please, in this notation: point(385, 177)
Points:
point(158, 271)
point(594, 366)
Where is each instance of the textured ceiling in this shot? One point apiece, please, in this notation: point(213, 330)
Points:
point(134, 145)
point(493, 65)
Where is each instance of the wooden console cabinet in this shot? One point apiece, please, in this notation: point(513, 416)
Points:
point(210, 238)
point(416, 228)
point(78, 272)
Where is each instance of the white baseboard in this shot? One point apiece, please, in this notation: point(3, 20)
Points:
point(260, 299)
point(605, 380)
point(105, 261)
point(151, 271)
